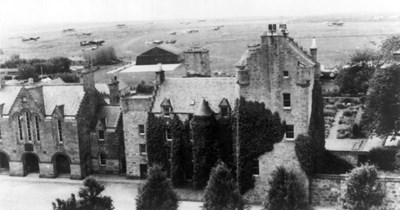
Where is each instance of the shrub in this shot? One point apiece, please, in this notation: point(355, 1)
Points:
point(305, 153)
point(90, 198)
point(340, 106)
point(362, 190)
point(156, 192)
point(69, 77)
point(102, 56)
point(222, 191)
point(383, 157)
point(329, 112)
point(286, 192)
point(348, 113)
point(330, 107)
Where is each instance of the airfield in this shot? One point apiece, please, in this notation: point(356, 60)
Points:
point(226, 45)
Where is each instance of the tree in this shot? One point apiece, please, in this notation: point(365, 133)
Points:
point(355, 79)
point(222, 192)
point(383, 102)
point(362, 191)
point(316, 128)
point(102, 56)
point(389, 46)
point(27, 71)
point(90, 198)
point(156, 193)
point(286, 192)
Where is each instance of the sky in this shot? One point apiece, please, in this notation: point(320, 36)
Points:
point(26, 12)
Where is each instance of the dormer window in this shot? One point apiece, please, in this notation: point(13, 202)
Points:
point(24, 99)
point(166, 107)
point(101, 135)
point(225, 108)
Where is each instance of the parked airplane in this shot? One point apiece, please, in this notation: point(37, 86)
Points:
point(30, 39)
point(97, 42)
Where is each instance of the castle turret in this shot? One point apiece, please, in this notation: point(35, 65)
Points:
point(204, 109)
point(113, 86)
point(197, 62)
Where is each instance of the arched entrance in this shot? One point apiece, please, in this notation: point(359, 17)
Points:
point(31, 163)
point(62, 165)
point(4, 163)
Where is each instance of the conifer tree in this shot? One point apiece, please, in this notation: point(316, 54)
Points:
point(286, 192)
point(222, 192)
point(156, 193)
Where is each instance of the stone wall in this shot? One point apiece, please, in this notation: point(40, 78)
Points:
point(135, 112)
point(325, 190)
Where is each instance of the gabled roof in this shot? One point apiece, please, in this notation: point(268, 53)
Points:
point(166, 103)
point(8, 94)
point(111, 114)
point(186, 94)
point(224, 103)
point(102, 88)
point(70, 96)
point(166, 47)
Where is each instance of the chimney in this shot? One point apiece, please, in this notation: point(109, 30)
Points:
point(313, 49)
point(87, 78)
point(160, 75)
point(113, 86)
point(197, 62)
point(272, 29)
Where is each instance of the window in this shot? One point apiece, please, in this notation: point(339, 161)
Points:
point(224, 111)
point(142, 149)
point(37, 128)
point(28, 126)
point(168, 134)
point(255, 167)
point(289, 131)
point(101, 135)
point(102, 159)
point(141, 130)
point(167, 111)
point(59, 129)
point(21, 137)
point(286, 100)
point(1, 136)
point(103, 121)
point(285, 74)
point(24, 99)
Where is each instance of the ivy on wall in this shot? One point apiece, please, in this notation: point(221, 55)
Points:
point(205, 153)
point(181, 155)
point(158, 149)
point(258, 129)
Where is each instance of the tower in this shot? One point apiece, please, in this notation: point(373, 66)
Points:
point(197, 62)
point(113, 86)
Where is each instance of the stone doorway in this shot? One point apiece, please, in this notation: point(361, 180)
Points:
point(62, 165)
point(4, 163)
point(31, 163)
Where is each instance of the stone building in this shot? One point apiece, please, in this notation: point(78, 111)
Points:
point(276, 72)
point(53, 129)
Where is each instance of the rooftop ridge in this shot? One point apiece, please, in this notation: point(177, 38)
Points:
point(300, 48)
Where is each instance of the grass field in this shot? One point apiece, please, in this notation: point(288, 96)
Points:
point(226, 46)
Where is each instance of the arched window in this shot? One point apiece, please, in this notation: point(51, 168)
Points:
point(37, 127)
point(19, 128)
point(59, 131)
point(28, 126)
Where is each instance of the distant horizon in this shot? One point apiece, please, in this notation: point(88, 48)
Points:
point(28, 12)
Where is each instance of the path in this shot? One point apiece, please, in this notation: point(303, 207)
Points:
point(335, 126)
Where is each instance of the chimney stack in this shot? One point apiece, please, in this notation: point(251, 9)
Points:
point(314, 49)
point(160, 75)
point(87, 76)
point(113, 86)
point(197, 62)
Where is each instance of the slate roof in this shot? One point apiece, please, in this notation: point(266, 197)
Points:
point(8, 94)
point(112, 114)
point(68, 95)
point(166, 47)
point(186, 94)
point(102, 88)
point(204, 109)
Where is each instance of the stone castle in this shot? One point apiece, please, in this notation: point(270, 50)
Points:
point(276, 72)
point(57, 129)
